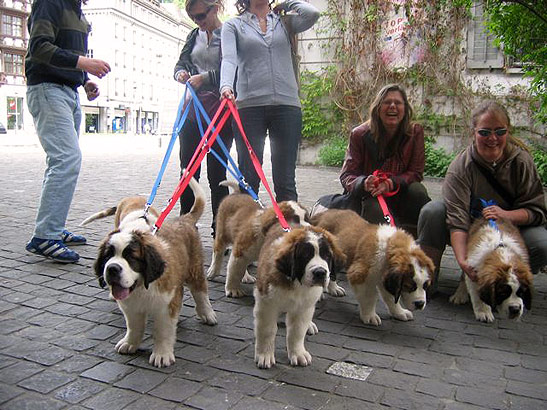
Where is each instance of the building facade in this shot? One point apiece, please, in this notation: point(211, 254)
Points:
point(13, 47)
point(140, 39)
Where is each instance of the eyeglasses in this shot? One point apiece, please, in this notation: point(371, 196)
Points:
point(201, 16)
point(485, 132)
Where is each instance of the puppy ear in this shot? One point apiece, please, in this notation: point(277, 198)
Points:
point(267, 220)
point(105, 253)
point(337, 258)
point(154, 263)
point(393, 283)
point(285, 263)
point(525, 293)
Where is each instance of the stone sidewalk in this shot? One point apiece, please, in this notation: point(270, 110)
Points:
point(58, 328)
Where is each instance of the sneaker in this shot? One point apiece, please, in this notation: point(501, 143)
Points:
point(70, 239)
point(53, 249)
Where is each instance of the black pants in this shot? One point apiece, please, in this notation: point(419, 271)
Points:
point(283, 123)
point(189, 139)
point(404, 206)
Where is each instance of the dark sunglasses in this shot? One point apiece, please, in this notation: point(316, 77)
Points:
point(201, 16)
point(500, 132)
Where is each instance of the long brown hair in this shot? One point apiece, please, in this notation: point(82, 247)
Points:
point(500, 111)
point(206, 3)
point(377, 129)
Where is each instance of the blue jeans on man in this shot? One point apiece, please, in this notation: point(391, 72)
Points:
point(57, 116)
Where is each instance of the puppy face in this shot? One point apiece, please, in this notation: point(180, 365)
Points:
point(127, 260)
point(408, 277)
point(309, 256)
point(506, 287)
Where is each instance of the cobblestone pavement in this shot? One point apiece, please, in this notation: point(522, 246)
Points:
point(58, 328)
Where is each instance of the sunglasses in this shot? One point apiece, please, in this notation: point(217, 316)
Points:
point(201, 16)
point(499, 132)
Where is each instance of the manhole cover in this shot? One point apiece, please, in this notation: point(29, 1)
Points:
point(350, 370)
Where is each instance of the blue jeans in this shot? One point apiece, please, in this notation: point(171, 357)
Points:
point(283, 123)
point(433, 232)
point(57, 116)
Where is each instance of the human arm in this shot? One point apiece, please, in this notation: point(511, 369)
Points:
point(228, 66)
point(458, 241)
point(300, 15)
point(184, 67)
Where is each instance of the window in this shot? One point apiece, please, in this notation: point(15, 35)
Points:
point(12, 26)
point(13, 64)
point(89, 53)
point(15, 113)
point(481, 53)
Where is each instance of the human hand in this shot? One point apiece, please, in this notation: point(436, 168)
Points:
point(183, 76)
point(91, 90)
point(469, 271)
point(227, 94)
point(381, 187)
point(494, 212)
point(370, 183)
point(196, 81)
point(96, 67)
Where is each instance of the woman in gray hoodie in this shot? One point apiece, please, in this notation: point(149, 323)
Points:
point(257, 57)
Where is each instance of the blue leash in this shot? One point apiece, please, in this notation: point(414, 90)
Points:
point(488, 203)
point(179, 122)
point(231, 168)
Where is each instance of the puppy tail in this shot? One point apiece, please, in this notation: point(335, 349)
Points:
point(199, 202)
point(99, 215)
point(230, 184)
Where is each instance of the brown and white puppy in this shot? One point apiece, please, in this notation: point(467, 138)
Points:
point(293, 269)
point(504, 282)
point(242, 223)
point(380, 258)
point(146, 274)
point(128, 209)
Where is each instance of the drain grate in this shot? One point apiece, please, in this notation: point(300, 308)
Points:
point(350, 370)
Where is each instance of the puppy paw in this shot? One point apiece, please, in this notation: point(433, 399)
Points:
point(235, 293)
point(208, 317)
point(124, 347)
point(334, 289)
point(486, 317)
point(312, 329)
point(265, 360)
point(371, 319)
point(248, 278)
point(404, 315)
point(160, 358)
point(459, 298)
point(302, 358)
point(212, 273)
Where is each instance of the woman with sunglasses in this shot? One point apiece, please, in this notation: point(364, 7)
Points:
point(496, 166)
point(199, 66)
point(256, 45)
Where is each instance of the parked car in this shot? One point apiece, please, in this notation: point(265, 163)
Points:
point(2, 129)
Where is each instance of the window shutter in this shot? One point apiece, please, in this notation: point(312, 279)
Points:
point(481, 53)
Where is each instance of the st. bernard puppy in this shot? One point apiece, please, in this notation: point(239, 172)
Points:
point(293, 269)
point(128, 209)
point(242, 223)
point(380, 258)
point(146, 274)
point(498, 255)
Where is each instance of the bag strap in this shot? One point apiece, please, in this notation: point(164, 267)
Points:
point(494, 183)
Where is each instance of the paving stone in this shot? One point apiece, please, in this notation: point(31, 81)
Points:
point(240, 383)
point(108, 372)
point(101, 332)
point(141, 380)
point(296, 396)
point(525, 375)
point(79, 390)
point(175, 389)
point(417, 369)
point(435, 388)
point(153, 403)
point(389, 378)
point(371, 360)
point(535, 363)
point(535, 391)
point(11, 326)
point(260, 404)
point(111, 399)
point(210, 398)
point(66, 309)
point(73, 326)
point(45, 381)
point(48, 356)
point(492, 399)
point(77, 364)
point(76, 343)
point(407, 400)
point(195, 354)
point(359, 390)
point(526, 403)
point(19, 371)
point(32, 401)
point(9, 392)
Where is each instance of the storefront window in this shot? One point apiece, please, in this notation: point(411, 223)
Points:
point(15, 113)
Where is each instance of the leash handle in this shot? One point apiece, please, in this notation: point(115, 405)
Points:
point(383, 176)
point(491, 202)
point(258, 167)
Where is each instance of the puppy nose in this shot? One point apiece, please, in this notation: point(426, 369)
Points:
point(514, 310)
point(113, 270)
point(419, 304)
point(319, 274)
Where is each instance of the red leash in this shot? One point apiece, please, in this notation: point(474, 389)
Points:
point(258, 167)
point(382, 177)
